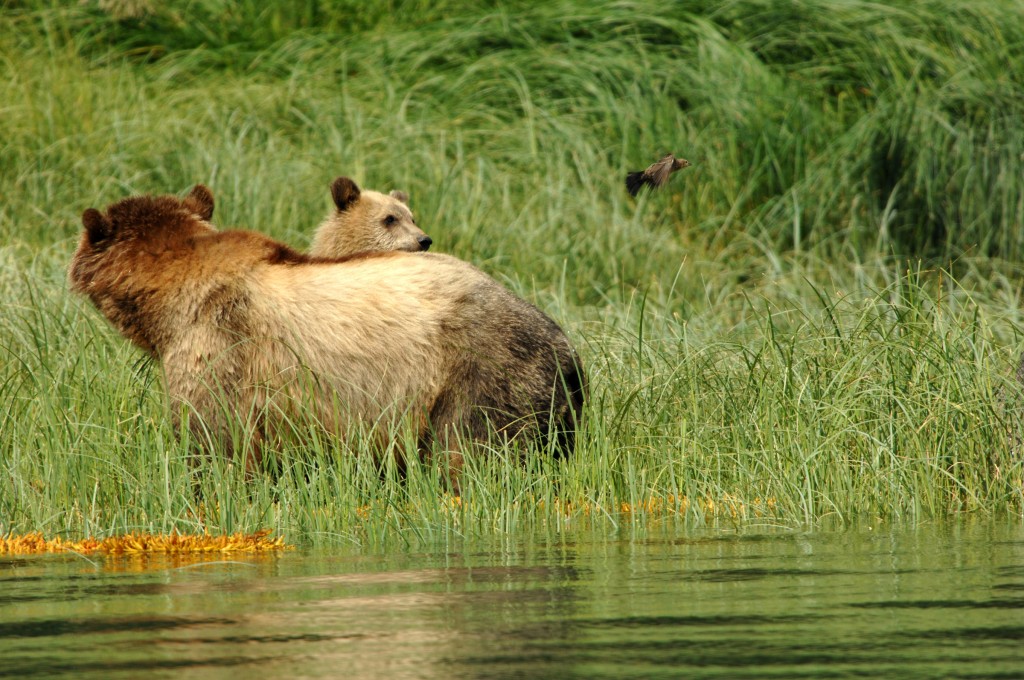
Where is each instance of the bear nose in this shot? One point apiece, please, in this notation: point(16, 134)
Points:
point(425, 242)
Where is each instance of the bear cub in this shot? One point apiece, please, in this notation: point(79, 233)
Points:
point(367, 222)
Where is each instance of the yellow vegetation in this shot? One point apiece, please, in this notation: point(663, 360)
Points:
point(655, 505)
point(194, 545)
point(143, 544)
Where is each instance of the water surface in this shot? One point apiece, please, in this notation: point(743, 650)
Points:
point(939, 601)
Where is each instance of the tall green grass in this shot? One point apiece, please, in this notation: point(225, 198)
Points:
point(820, 318)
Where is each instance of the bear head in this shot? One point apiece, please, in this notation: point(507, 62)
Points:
point(367, 222)
point(131, 250)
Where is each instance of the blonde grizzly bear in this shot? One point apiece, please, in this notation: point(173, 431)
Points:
point(250, 331)
point(367, 222)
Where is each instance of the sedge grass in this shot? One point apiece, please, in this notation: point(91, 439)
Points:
point(821, 318)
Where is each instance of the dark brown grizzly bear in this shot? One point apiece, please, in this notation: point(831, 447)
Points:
point(249, 331)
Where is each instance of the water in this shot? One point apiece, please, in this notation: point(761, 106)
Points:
point(932, 602)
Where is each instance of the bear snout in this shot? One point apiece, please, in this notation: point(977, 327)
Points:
point(425, 242)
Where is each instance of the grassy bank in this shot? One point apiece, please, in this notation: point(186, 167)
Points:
point(820, 318)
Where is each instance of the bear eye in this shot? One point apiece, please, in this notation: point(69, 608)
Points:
point(390, 220)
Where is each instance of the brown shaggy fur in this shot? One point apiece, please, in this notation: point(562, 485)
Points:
point(367, 222)
point(250, 331)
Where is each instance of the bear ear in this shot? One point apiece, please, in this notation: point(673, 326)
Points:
point(400, 195)
point(200, 201)
point(345, 192)
point(97, 227)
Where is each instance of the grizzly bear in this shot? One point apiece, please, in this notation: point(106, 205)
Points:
point(367, 222)
point(251, 332)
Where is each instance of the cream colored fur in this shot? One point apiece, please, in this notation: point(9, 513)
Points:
point(361, 228)
point(356, 341)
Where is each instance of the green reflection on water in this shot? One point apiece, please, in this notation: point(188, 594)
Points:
point(935, 601)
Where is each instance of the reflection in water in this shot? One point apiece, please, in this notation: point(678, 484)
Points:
point(931, 602)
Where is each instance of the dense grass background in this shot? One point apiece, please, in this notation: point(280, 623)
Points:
point(821, 318)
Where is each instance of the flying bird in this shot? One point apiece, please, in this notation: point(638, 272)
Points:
point(655, 175)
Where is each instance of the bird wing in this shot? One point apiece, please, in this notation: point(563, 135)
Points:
point(659, 172)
